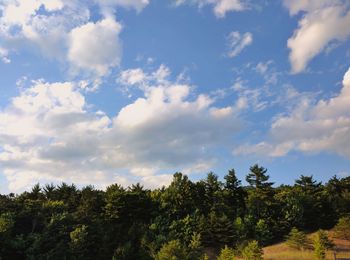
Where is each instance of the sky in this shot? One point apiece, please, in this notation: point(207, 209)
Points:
point(125, 91)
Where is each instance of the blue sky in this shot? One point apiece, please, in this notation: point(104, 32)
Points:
point(104, 91)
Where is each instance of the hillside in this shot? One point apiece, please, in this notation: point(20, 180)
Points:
point(282, 252)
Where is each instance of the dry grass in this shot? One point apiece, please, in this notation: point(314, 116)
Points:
point(283, 252)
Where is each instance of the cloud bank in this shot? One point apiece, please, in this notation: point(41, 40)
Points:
point(65, 139)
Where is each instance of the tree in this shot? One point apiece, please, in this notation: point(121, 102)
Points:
point(234, 195)
point(172, 250)
point(226, 253)
point(6, 222)
point(178, 198)
point(297, 239)
point(319, 249)
point(79, 240)
point(213, 193)
point(252, 251)
point(307, 183)
point(260, 194)
point(262, 232)
point(342, 229)
point(257, 177)
point(322, 243)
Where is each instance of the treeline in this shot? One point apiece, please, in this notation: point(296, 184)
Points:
point(186, 218)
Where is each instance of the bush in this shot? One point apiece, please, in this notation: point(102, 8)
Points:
point(322, 236)
point(297, 239)
point(319, 248)
point(172, 251)
point(342, 229)
point(226, 253)
point(252, 251)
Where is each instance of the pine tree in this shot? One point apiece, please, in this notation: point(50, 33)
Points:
point(342, 229)
point(257, 177)
point(322, 243)
point(252, 251)
point(297, 239)
point(226, 253)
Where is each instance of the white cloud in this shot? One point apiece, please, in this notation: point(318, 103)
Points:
point(63, 30)
point(316, 29)
point(138, 5)
point(64, 140)
point(22, 24)
point(237, 42)
point(220, 7)
point(296, 6)
point(3, 55)
point(310, 127)
point(95, 46)
point(132, 77)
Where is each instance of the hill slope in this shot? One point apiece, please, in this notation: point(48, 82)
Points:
point(282, 252)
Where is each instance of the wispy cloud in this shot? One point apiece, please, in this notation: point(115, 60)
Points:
point(237, 42)
point(309, 127)
point(220, 7)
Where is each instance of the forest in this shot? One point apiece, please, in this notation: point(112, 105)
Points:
point(181, 221)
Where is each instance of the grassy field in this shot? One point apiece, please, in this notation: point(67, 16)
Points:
point(283, 252)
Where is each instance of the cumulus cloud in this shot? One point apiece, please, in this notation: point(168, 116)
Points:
point(23, 23)
point(237, 42)
point(220, 7)
point(310, 127)
point(169, 127)
point(95, 46)
point(63, 30)
point(316, 29)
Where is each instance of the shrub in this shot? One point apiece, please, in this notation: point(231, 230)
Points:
point(319, 248)
point(173, 250)
point(252, 251)
point(342, 229)
point(297, 239)
point(226, 253)
point(322, 236)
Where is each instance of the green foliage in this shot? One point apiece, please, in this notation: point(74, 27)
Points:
point(322, 237)
point(263, 233)
point(79, 238)
point(65, 222)
point(321, 243)
point(257, 177)
point(226, 253)
point(252, 251)
point(195, 243)
point(297, 239)
point(6, 222)
point(319, 249)
point(173, 250)
point(342, 229)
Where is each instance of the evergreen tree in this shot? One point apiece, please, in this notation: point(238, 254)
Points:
point(173, 250)
point(226, 253)
point(257, 178)
point(297, 239)
point(260, 194)
point(234, 195)
point(252, 251)
point(342, 229)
